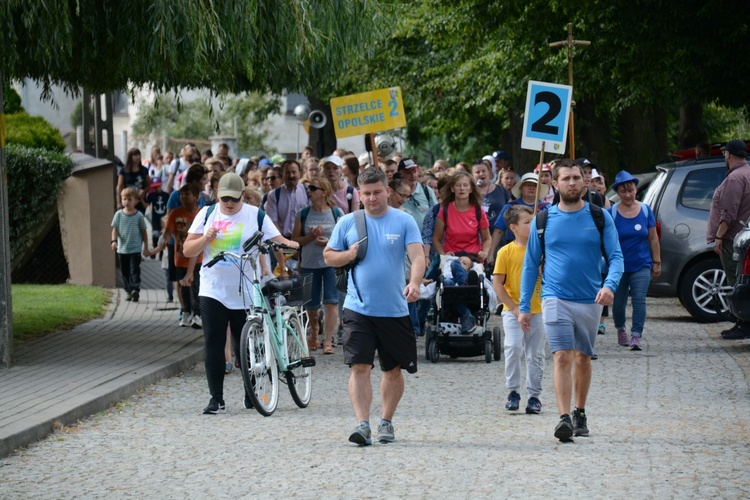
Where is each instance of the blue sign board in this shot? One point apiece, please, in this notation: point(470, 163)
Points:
point(546, 118)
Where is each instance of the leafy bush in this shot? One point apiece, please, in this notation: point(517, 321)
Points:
point(32, 131)
point(11, 101)
point(34, 179)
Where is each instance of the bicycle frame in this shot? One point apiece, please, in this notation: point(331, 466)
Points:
point(273, 319)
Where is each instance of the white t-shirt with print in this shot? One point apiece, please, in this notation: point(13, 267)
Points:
point(222, 281)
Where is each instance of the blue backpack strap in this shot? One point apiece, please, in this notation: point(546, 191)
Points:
point(208, 212)
point(261, 216)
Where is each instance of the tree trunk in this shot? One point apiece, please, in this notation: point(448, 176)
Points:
point(643, 136)
point(692, 130)
point(322, 140)
point(594, 138)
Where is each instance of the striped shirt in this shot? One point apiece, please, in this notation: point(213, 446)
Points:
point(129, 228)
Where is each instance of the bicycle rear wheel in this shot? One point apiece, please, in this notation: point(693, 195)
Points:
point(259, 371)
point(298, 377)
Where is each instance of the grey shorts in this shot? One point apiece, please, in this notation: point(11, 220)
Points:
point(570, 325)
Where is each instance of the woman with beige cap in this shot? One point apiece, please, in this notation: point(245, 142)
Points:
point(224, 227)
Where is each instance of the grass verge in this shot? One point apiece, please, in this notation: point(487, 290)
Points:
point(41, 309)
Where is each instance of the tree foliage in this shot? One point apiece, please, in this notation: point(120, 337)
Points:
point(226, 46)
point(464, 67)
point(199, 119)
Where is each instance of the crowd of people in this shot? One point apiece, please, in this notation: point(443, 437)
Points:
point(554, 281)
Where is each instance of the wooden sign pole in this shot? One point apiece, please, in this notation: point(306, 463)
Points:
point(538, 182)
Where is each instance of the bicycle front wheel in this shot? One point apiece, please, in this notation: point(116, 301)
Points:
point(259, 371)
point(298, 377)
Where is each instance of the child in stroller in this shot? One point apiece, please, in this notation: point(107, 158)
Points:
point(462, 274)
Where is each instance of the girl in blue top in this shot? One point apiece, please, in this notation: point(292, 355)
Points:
point(636, 229)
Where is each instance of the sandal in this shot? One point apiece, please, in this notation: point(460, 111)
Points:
point(328, 349)
point(312, 344)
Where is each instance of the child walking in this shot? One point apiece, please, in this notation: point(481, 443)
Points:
point(187, 269)
point(128, 235)
point(507, 285)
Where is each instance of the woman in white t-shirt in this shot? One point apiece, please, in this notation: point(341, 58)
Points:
point(225, 228)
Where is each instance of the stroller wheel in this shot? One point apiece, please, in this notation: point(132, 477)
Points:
point(434, 352)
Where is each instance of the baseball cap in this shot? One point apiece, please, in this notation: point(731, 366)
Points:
point(500, 155)
point(231, 185)
point(264, 161)
point(364, 159)
point(736, 147)
point(336, 160)
point(407, 164)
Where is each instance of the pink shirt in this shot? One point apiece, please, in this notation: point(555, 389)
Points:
point(341, 199)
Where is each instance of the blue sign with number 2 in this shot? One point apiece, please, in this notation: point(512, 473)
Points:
point(546, 118)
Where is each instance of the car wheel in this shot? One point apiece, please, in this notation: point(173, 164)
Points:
point(699, 285)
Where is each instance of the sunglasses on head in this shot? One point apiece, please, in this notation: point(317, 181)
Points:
point(312, 188)
point(227, 199)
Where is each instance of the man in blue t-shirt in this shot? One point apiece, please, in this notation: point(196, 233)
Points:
point(376, 315)
point(572, 291)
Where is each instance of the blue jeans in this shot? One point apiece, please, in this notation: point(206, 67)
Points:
point(636, 284)
point(323, 286)
point(460, 275)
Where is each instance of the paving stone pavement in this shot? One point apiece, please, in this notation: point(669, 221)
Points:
point(671, 421)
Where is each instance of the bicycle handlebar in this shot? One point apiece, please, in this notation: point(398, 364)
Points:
point(212, 262)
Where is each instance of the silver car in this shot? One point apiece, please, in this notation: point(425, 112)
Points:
point(680, 197)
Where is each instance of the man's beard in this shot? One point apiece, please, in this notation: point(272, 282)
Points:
point(569, 198)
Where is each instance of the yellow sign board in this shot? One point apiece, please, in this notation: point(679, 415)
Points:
point(368, 112)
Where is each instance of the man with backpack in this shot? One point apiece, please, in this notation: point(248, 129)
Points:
point(285, 201)
point(376, 316)
point(569, 248)
point(422, 198)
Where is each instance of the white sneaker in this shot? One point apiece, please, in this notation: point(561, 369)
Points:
point(186, 319)
point(197, 322)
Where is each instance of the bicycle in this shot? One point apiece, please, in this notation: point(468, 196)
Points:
point(273, 337)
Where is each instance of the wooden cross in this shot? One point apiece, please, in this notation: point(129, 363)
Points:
point(570, 43)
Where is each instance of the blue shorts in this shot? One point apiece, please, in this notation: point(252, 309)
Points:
point(323, 283)
point(571, 325)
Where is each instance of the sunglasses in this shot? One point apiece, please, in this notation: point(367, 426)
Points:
point(227, 199)
point(271, 178)
point(312, 188)
point(402, 195)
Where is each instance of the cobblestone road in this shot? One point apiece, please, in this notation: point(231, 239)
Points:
point(672, 421)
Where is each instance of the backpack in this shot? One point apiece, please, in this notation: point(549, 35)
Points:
point(261, 216)
point(597, 213)
point(342, 273)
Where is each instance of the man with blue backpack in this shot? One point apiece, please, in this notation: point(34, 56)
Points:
point(569, 246)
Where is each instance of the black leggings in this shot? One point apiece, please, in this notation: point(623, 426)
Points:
point(216, 316)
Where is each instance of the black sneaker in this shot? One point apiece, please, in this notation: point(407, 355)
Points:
point(248, 402)
point(739, 331)
point(136, 296)
point(579, 423)
point(533, 406)
point(564, 429)
point(514, 399)
point(129, 297)
point(472, 278)
point(214, 406)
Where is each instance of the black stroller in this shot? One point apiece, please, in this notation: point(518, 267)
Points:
point(443, 333)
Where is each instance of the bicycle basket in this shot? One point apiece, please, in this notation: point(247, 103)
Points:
point(301, 290)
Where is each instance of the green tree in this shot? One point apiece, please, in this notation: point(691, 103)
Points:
point(198, 119)
point(464, 68)
point(227, 47)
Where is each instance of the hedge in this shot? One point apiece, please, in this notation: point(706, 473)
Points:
point(35, 176)
point(32, 131)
